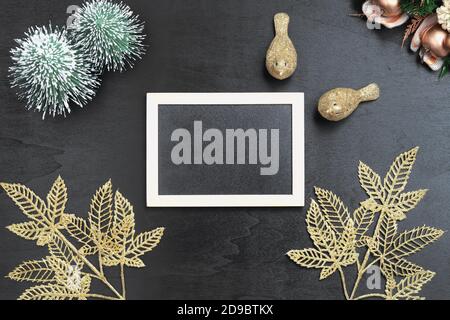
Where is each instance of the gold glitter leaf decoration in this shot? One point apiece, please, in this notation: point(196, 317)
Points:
point(370, 235)
point(123, 225)
point(363, 220)
point(59, 249)
point(28, 230)
point(400, 267)
point(386, 232)
point(410, 200)
point(370, 182)
point(145, 242)
point(410, 242)
point(30, 204)
point(50, 292)
point(335, 211)
point(398, 175)
point(411, 285)
point(310, 258)
point(321, 233)
point(67, 273)
point(56, 200)
point(78, 229)
point(33, 271)
point(100, 213)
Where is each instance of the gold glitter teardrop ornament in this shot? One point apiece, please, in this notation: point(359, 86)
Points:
point(281, 58)
point(339, 103)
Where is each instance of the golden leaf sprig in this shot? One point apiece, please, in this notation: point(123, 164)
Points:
point(67, 272)
point(370, 235)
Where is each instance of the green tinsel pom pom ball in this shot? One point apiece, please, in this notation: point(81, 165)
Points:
point(110, 33)
point(50, 72)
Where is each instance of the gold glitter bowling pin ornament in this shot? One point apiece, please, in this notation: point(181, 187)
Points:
point(338, 104)
point(281, 58)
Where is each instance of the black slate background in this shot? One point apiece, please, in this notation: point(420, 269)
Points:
point(219, 46)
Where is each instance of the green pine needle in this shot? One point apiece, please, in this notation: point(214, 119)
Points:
point(445, 68)
point(418, 9)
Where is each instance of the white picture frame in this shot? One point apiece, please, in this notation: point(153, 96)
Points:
point(296, 199)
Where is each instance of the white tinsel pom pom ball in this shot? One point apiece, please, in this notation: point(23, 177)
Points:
point(110, 33)
point(50, 72)
point(443, 14)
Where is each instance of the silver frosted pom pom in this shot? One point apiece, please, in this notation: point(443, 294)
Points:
point(110, 33)
point(50, 72)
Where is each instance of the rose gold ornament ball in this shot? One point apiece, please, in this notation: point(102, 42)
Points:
point(390, 8)
point(437, 40)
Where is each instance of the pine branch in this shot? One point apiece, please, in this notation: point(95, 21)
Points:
point(419, 8)
point(445, 68)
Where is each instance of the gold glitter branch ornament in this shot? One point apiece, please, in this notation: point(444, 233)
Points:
point(372, 229)
point(66, 273)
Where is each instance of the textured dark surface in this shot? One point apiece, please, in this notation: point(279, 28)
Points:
point(225, 179)
point(210, 46)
